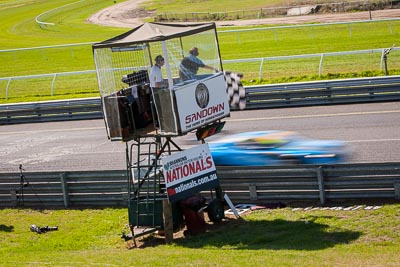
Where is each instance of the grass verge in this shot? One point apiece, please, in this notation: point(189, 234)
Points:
point(278, 237)
point(20, 30)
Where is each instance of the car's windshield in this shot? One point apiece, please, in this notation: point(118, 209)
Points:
point(267, 140)
point(255, 145)
point(260, 140)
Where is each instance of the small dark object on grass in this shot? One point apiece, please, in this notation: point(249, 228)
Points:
point(41, 230)
point(126, 237)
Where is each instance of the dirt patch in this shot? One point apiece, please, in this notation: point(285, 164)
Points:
point(130, 14)
point(155, 239)
point(127, 14)
point(230, 221)
point(137, 13)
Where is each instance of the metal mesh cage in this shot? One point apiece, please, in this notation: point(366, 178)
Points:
point(124, 88)
point(131, 107)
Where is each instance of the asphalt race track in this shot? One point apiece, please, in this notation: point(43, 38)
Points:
point(371, 131)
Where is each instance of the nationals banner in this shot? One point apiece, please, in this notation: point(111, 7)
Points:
point(188, 172)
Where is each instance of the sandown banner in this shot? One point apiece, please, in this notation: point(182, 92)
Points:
point(188, 172)
point(202, 102)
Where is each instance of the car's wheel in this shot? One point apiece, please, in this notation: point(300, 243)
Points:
point(215, 210)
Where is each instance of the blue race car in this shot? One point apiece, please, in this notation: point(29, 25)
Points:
point(265, 148)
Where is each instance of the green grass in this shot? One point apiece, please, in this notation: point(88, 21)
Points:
point(309, 40)
point(281, 237)
point(19, 30)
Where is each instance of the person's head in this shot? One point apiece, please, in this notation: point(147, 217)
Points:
point(159, 60)
point(194, 51)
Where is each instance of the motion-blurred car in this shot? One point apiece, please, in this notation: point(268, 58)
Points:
point(275, 148)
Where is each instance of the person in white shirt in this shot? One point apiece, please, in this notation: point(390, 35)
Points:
point(156, 77)
point(156, 83)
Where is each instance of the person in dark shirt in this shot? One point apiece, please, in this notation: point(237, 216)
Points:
point(191, 64)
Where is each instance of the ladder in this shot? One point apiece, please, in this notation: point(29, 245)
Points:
point(146, 185)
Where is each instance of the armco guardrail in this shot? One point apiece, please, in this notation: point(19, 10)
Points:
point(311, 182)
point(324, 92)
point(64, 110)
point(263, 96)
point(64, 189)
point(242, 184)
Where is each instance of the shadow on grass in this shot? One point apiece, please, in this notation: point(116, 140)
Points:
point(277, 234)
point(5, 228)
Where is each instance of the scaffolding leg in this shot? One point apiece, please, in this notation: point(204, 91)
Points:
point(133, 236)
point(168, 221)
point(137, 228)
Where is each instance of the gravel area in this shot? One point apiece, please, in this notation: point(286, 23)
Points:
point(129, 14)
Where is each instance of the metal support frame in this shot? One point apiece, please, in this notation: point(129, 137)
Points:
point(151, 191)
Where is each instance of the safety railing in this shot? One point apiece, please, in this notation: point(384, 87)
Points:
point(64, 110)
point(249, 67)
point(263, 62)
point(273, 12)
point(324, 92)
point(317, 183)
point(257, 97)
point(40, 18)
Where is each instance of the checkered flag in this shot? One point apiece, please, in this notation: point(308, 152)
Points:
point(235, 90)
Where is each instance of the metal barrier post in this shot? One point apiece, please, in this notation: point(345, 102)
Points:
point(320, 177)
point(64, 186)
point(253, 191)
point(397, 190)
point(13, 194)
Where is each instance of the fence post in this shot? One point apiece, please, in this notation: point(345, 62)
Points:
point(64, 186)
point(13, 194)
point(8, 85)
point(350, 30)
point(275, 35)
point(168, 221)
point(52, 84)
point(253, 191)
point(397, 190)
point(261, 67)
point(320, 177)
point(320, 64)
point(238, 37)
